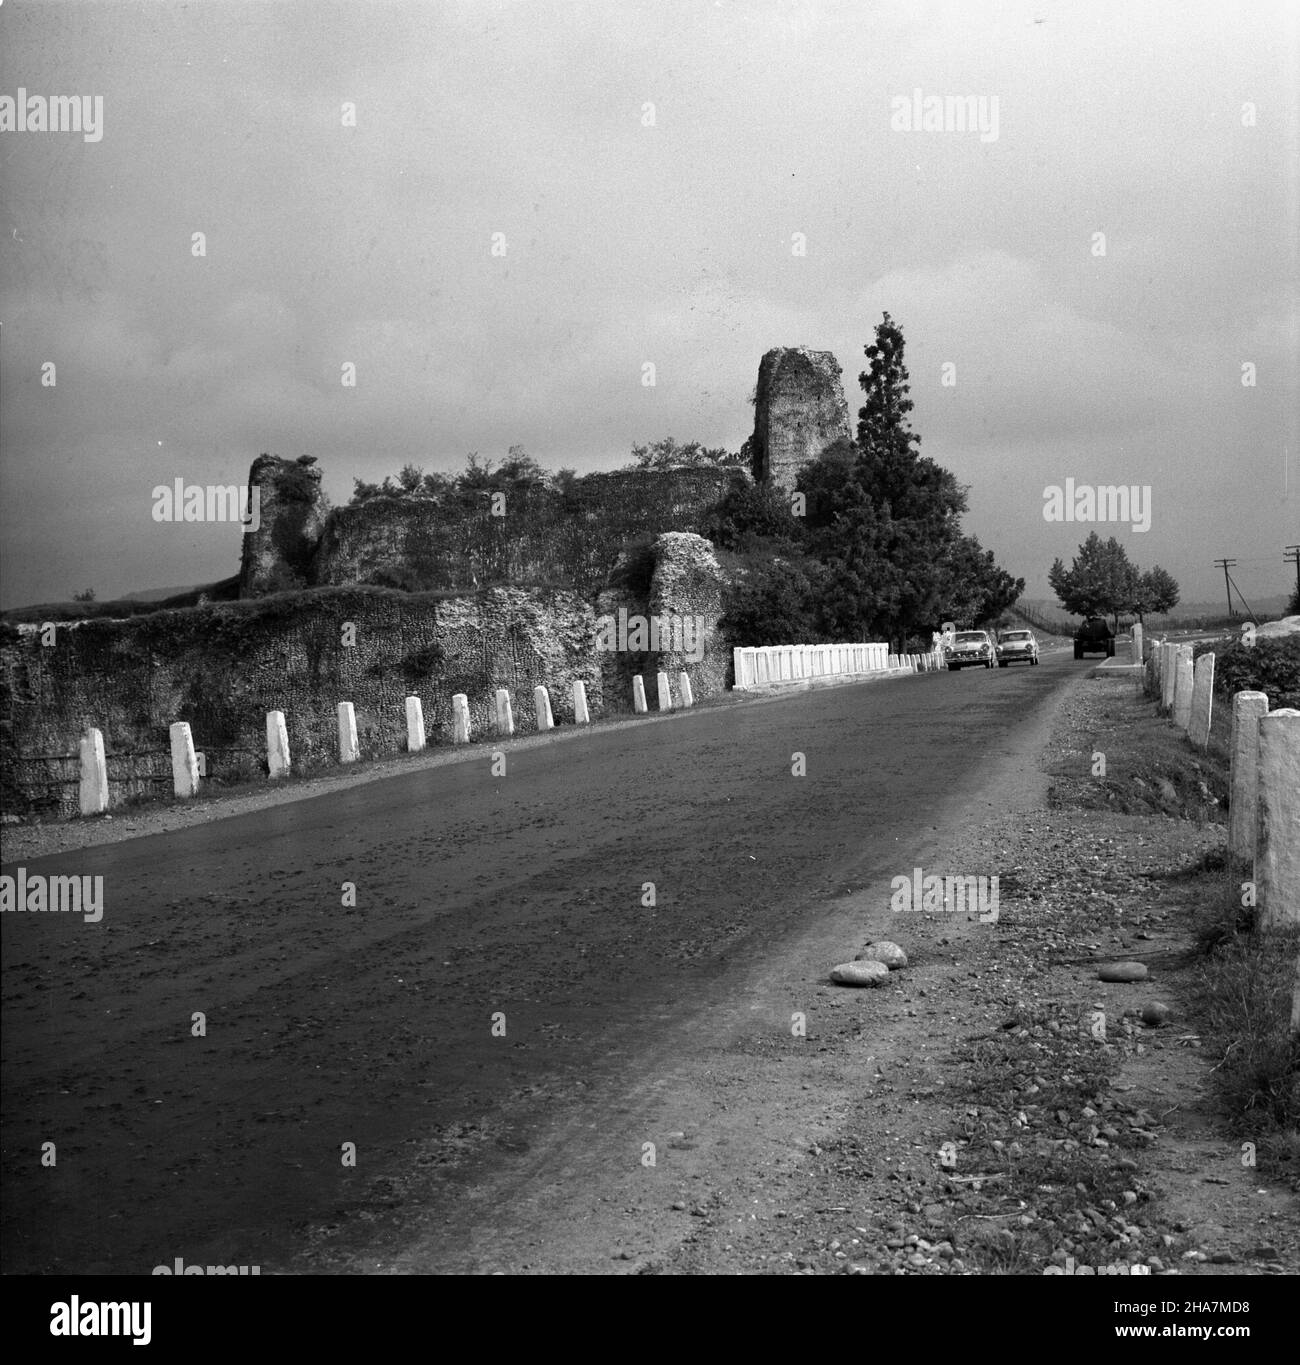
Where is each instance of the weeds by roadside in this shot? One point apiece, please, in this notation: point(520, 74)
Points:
point(1243, 1009)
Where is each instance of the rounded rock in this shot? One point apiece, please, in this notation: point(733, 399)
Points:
point(1122, 971)
point(883, 951)
point(1156, 1013)
point(860, 974)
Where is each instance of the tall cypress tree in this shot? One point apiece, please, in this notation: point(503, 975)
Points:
point(890, 463)
point(886, 520)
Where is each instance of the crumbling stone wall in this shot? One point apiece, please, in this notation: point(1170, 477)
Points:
point(223, 666)
point(673, 577)
point(799, 411)
point(688, 582)
point(561, 538)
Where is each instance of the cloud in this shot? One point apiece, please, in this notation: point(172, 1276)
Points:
point(629, 243)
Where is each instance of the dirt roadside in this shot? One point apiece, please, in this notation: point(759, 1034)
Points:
point(964, 1119)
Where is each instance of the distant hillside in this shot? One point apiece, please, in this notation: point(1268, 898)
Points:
point(1264, 607)
point(161, 594)
point(137, 604)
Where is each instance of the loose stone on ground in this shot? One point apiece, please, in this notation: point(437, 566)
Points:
point(860, 974)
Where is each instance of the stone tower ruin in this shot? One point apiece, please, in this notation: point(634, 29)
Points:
point(799, 411)
point(277, 556)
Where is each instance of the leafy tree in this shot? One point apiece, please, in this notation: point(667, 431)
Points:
point(832, 488)
point(85, 595)
point(977, 589)
point(773, 601)
point(437, 485)
point(477, 475)
point(1100, 581)
point(519, 470)
point(1157, 593)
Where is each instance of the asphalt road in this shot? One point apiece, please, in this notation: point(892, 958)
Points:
point(522, 895)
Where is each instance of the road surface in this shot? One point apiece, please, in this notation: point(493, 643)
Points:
point(528, 954)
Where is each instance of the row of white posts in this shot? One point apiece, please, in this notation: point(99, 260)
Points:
point(1186, 690)
point(763, 665)
point(917, 663)
point(186, 768)
point(1264, 799)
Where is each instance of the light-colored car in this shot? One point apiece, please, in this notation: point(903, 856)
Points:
point(970, 648)
point(1017, 646)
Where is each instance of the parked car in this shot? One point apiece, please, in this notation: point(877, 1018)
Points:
point(1094, 636)
point(1017, 646)
point(970, 647)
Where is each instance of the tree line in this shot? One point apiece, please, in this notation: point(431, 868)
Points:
point(1102, 581)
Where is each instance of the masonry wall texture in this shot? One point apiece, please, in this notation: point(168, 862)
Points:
point(223, 666)
point(688, 582)
point(799, 411)
point(675, 575)
point(565, 539)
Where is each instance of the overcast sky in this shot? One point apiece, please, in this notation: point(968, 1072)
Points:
point(629, 242)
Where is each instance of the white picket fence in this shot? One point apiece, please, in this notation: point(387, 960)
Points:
point(763, 665)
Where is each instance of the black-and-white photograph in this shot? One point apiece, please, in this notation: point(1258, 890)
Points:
point(651, 638)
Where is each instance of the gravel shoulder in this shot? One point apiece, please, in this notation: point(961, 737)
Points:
point(932, 1126)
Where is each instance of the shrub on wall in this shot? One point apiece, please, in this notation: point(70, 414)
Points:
point(751, 517)
point(771, 601)
point(1268, 666)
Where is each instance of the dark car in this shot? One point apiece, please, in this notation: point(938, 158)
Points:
point(1094, 636)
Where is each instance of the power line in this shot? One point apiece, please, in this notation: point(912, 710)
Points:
point(1250, 611)
point(1292, 556)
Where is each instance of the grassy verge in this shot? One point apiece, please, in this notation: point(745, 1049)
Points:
point(1246, 978)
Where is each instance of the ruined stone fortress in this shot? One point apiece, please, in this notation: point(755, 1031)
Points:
point(416, 543)
point(399, 597)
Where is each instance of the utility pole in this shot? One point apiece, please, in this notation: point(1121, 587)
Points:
point(1226, 564)
point(1292, 556)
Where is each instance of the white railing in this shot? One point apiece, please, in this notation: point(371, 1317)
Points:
point(763, 665)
